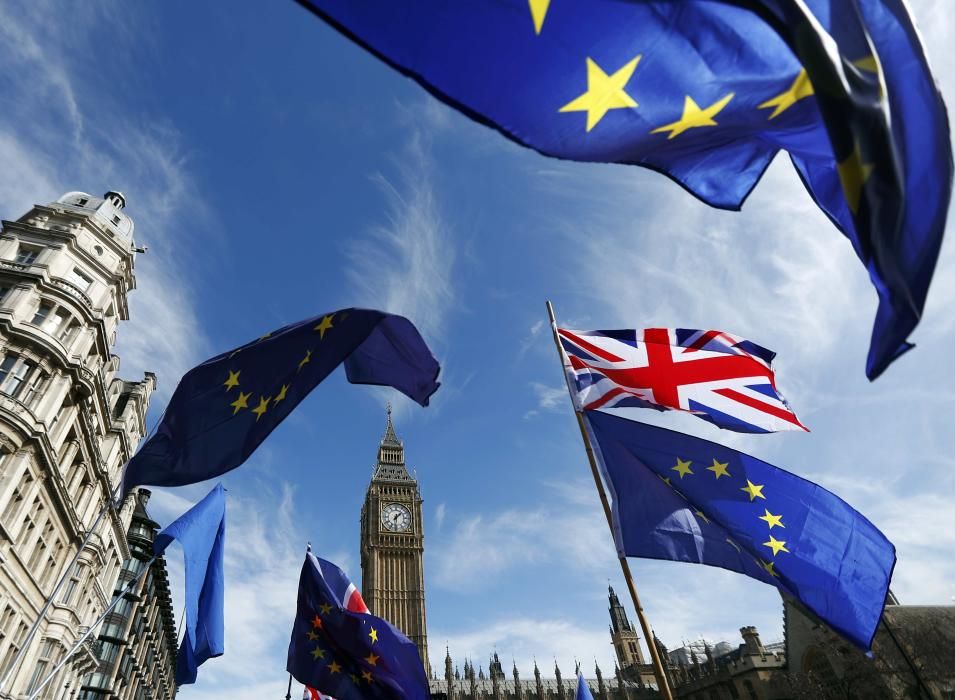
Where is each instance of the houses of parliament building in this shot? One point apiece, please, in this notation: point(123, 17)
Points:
point(914, 650)
point(392, 568)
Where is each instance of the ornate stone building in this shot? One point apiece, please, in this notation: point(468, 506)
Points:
point(137, 643)
point(750, 671)
point(68, 423)
point(392, 544)
point(632, 679)
point(913, 656)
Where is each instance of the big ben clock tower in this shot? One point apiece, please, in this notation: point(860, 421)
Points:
point(392, 544)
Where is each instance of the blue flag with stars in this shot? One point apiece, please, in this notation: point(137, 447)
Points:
point(707, 92)
point(682, 498)
point(224, 408)
point(340, 649)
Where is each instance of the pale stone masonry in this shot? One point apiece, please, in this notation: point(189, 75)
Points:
point(392, 544)
point(68, 423)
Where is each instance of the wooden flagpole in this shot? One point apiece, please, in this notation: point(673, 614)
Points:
point(662, 683)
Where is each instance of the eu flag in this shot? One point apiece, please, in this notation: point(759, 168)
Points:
point(200, 532)
point(681, 498)
point(340, 649)
point(707, 92)
point(224, 408)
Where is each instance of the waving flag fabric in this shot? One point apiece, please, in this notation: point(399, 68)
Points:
point(338, 648)
point(224, 408)
point(681, 498)
point(200, 532)
point(583, 691)
point(707, 92)
point(719, 377)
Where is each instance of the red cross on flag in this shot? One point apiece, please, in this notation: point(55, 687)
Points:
point(719, 377)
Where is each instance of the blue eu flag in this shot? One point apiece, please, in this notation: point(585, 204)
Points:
point(707, 92)
point(200, 532)
point(681, 498)
point(224, 408)
point(340, 649)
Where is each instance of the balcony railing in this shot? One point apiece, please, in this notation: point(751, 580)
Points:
point(74, 291)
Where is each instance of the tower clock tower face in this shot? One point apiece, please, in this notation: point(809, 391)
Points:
point(396, 518)
point(392, 544)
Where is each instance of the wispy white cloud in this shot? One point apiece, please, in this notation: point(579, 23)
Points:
point(483, 547)
point(439, 514)
point(549, 398)
point(96, 147)
point(405, 265)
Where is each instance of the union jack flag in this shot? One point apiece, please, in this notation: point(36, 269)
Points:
point(312, 694)
point(719, 377)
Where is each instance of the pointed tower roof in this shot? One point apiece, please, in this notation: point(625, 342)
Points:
point(391, 456)
point(390, 439)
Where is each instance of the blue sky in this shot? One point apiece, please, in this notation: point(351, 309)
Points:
point(275, 171)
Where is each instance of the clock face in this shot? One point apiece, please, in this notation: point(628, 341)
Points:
point(396, 517)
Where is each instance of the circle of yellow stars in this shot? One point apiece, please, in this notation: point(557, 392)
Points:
point(319, 654)
point(607, 91)
point(684, 468)
point(264, 403)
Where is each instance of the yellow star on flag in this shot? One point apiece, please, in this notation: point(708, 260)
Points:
point(538, 13)
point(325, 324)
point(334, 667)
point(374, 635)
point(854, 173)
point(311, 635)
point(694, 117)
point(682, 467)
point(372, 659)
point(354, 678)
point(305, 360)
point(263, 406)
point(318, 653)
point(325, 608)
point(665, 479)
point(604, 92)
point(754, 490)
point(366, 675)
point(776, 545)
point(241, 402)
point(867, 63)
point(233, 380)
point(800, 88)
point(772, 520)
point(702, 516)
point(719, 468)
point(317, 622)
point(768, 568)
point(281, 395)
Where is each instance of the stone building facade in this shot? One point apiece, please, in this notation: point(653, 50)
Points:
point(68, 423)
point(495, 685)
point(750, 671)
point(913, 656)
point(137, 644)
point(632, 678)
point(392, 544)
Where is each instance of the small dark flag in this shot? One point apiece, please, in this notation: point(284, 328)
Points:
point(224, 408)
point(340, 649)
point(681, 498)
